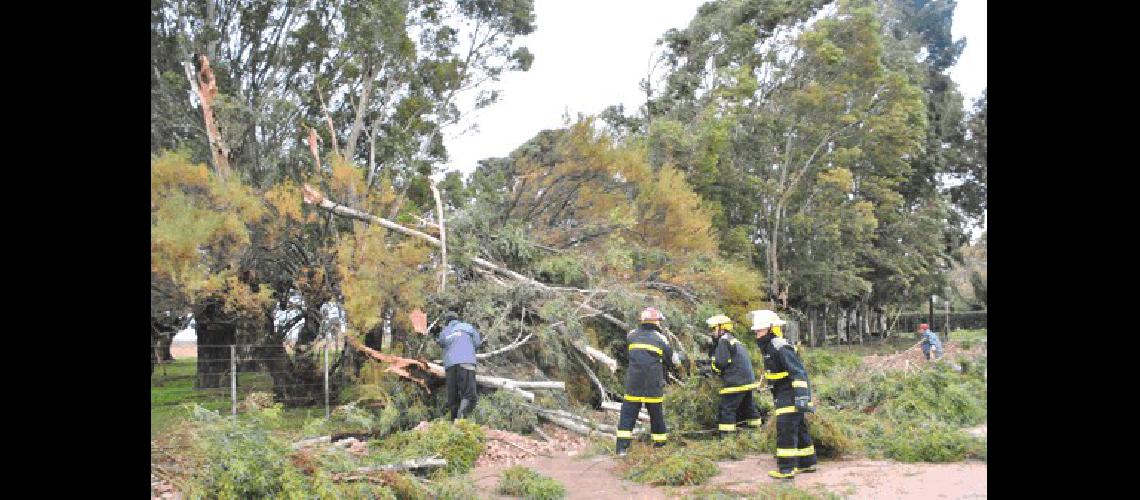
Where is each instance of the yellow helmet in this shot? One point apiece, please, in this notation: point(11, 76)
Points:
point(720, 320)
point(777, 331)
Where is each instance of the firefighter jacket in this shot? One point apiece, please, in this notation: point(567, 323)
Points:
point(731, 361)
point(786, 375)
point(649, 357)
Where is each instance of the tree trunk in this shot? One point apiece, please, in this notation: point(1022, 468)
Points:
point(811, 327)
point(215, 334)
point(930, 313)
point(823, 323)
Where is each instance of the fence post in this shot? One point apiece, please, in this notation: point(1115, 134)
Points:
point(233, 378)
point(326, 380)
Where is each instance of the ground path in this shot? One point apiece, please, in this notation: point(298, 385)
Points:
point(594, 478)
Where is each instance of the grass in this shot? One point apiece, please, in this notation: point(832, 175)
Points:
point(172, 392)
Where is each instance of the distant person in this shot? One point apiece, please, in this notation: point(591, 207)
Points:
point(930, 342)
point(788, 381)
point(649, 357)
point(459, 341)
point(731, 361)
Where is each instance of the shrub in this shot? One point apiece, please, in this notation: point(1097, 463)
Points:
point(522, 482)
point(455, 488)
point(692, 405)
point(460, 443)
point(937, 393)
point(671, 465)
point(243, 460)
point(930, 442)
point(832, 434)
point(821, 362)
point(504, 410)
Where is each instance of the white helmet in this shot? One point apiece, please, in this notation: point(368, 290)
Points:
point(764, 318)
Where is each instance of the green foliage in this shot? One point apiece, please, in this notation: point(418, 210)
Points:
point(692, 405)
point(522, 482)
point(822, 362)
point(930, 441)
point(671, 465)
point(244, 460)
point(455, 488)
point(504, 410)
point(937, 394)
point(460, 443)
point(832, 434)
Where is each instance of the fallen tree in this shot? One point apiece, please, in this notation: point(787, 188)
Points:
point(368, 473)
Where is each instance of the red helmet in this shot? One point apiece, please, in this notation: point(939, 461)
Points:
point(650, 314)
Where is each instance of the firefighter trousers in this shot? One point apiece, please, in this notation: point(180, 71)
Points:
point(629, 411)
point(737, 407)
point(793, 443)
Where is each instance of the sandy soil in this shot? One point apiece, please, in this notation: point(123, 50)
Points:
point(857, 479)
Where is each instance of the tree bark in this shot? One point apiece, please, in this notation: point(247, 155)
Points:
point(207, 87)
point(358, 121)
point(442, 238)
point(215, 333)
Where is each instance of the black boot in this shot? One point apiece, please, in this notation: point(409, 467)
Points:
point(623, 446)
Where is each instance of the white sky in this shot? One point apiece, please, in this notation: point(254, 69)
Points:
point(590, 54)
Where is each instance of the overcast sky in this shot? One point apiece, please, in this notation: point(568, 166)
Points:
point(590, 54)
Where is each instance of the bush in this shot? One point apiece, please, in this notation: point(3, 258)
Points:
point(671, 465)
point(937, 393)
point(504, 410)
point(930, 442)
point(243, 460)
point(455, 488)
point(460, 443)
point(821, 362)
point(692, 405)
point(522, 482)
point(832, 434)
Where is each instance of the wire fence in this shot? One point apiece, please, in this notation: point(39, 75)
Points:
point(230, 373)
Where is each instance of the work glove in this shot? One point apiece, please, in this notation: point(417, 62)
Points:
point(803, 404)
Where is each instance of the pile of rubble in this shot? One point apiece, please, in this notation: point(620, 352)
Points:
point(162, 489)
point(503, 447)
point(912, 359)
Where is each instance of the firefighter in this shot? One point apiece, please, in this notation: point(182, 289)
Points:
point(731, 361)
point(649, 357)
point(788, 381)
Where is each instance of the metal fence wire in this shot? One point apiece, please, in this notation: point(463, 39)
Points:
point(295, 378)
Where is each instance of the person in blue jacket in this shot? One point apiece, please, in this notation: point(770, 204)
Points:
point(930, 342)
point(459, 341)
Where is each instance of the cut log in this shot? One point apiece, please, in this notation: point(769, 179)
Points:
point(366, 473)
point(304, 443)
point(605, 393)
point(616, 407)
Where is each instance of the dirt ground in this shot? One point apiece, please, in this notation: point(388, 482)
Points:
point(594, 478)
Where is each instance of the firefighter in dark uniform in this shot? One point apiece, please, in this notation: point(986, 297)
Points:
point(788, 381)
point(731, 361)
point(649, 357)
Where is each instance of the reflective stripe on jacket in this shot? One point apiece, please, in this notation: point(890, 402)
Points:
point(649, 356)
